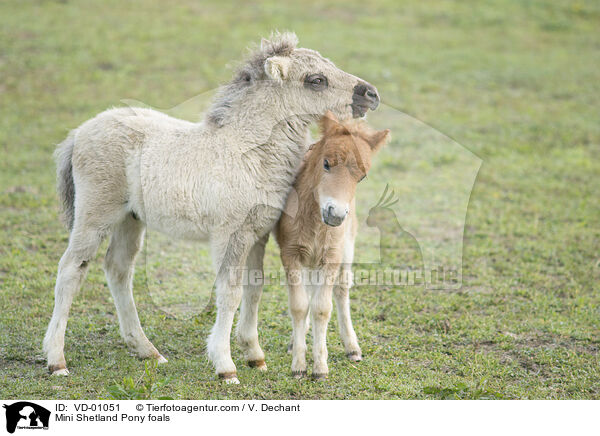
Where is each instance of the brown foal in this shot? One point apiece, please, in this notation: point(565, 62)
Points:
point(316, 237)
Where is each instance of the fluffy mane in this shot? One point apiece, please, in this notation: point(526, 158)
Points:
point(250, 70)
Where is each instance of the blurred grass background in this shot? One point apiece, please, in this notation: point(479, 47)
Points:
point(516, 82)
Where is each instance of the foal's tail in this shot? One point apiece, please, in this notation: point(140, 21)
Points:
point(64, 179)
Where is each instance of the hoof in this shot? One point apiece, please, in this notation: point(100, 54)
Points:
point(319, 376)
point(258, 364)
point(299, 374)
point(58, 370)
point(230, 378)
point(354, 356)
point(161, 359)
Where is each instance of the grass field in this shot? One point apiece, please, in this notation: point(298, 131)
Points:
point(515, 82)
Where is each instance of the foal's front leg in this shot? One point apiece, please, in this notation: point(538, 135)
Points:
point(320, 311)
point(230, 257)
point(298, 303)
point(341, 293)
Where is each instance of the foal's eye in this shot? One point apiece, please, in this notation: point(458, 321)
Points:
point(316, 82)
point(362, 178)
point(326, 165)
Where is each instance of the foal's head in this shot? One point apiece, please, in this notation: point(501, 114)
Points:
point(338, 162)
point(292, 81)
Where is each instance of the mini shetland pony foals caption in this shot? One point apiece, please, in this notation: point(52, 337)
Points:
point(316, 237)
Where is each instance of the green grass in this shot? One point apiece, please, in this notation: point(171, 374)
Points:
point(515, 82)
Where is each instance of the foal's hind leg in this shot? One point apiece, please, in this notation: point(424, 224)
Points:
point(247, 328)
point(72, 269)
point(126, 241)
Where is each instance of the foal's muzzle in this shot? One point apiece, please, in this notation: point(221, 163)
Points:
point(365, 97)
point(333, 217)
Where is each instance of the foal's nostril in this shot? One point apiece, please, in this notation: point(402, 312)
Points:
point(360, 89)
point(330, 210)
point(372, 96)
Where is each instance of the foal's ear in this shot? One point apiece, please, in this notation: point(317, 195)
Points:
point(276, 67)
point(329, 123)
point(378, 139)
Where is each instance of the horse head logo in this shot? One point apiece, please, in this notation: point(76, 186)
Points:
point(29, 415)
